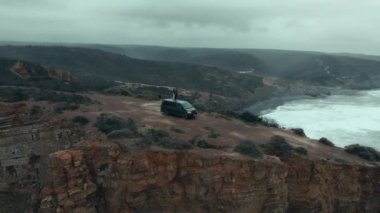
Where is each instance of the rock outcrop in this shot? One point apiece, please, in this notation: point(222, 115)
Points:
point(71, 188)
point(196, 181)
point(26, 140)
point(25, 70)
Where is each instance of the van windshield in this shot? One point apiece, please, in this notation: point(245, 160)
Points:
point(187, 105)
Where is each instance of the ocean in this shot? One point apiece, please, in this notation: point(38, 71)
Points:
point(343, 119)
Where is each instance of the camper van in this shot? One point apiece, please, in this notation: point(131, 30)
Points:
point(178, 108)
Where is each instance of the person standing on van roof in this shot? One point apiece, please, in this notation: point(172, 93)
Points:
point(175, 93)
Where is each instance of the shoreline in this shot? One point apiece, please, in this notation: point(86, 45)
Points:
point(273, 103)
point(365, 139)
point(268, 105)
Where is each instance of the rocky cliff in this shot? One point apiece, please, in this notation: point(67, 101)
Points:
point(104, 178)
point(50, 164)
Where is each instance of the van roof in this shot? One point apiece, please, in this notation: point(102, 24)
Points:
point(172, 100)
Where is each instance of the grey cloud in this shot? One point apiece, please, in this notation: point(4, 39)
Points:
point(189, 16)
point(325, 25)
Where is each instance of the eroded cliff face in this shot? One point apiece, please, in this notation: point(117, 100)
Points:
point(105, 179)
point(70, 187)
point(50, 166)
point(26, 140)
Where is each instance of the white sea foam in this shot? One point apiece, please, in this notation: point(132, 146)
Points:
point(342, 119)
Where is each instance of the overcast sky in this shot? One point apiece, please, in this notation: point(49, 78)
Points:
point(324, 25)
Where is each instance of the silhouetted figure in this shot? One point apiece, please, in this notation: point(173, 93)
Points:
point(175, 93)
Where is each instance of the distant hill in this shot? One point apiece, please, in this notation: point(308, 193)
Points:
point(362, 56)
point(330, 70)
point(223, 58)
point(261, 60)
point(91, 63)
point(344, 70)
point(192, 67)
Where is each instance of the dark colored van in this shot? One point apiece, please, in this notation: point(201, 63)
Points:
point(178, 108)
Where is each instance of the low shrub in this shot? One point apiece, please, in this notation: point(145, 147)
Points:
point(270, 123)
point(162, 138)
point(47, 95)
point(207, 128)
point(177, 130)
point(278, 146)
point(80, 119)
point(300, 150)
point(108, 122)
point(13, 95)
point(299, 132)
point(248, 148)
point(142, 143)
point(326, 142)
point(252, 118)
point(60, 107)
point(170, 143)
point(213, 134)
point(340, 160)
point(120, 134)
point(364, 152)
point(249, 117)
point(201, 143)
point(35, 110)
point(156, 134)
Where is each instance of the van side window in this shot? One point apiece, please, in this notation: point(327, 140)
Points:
point(167, 103)
point(179, 106)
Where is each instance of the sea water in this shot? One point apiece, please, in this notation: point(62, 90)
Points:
point(343, 119)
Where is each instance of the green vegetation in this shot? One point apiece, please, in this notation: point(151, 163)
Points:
point(299, 132)
point(177, 130)
point(15, 94)
point(60, 107)
point(201, 143)
point(207, 128)
point(121, 133)
point(278, 146)
point(81, 120)
point(365, 152)
point(248, 148)
point(326, 142)
point(300, 150)
point(156, 134)
point(170, 143)
point(54, 96)
point(252, 118)
point(11, 94)
point(339, 160)
point(108, 122)
point(162, 138)
point(212, 132)
point(35, 110)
